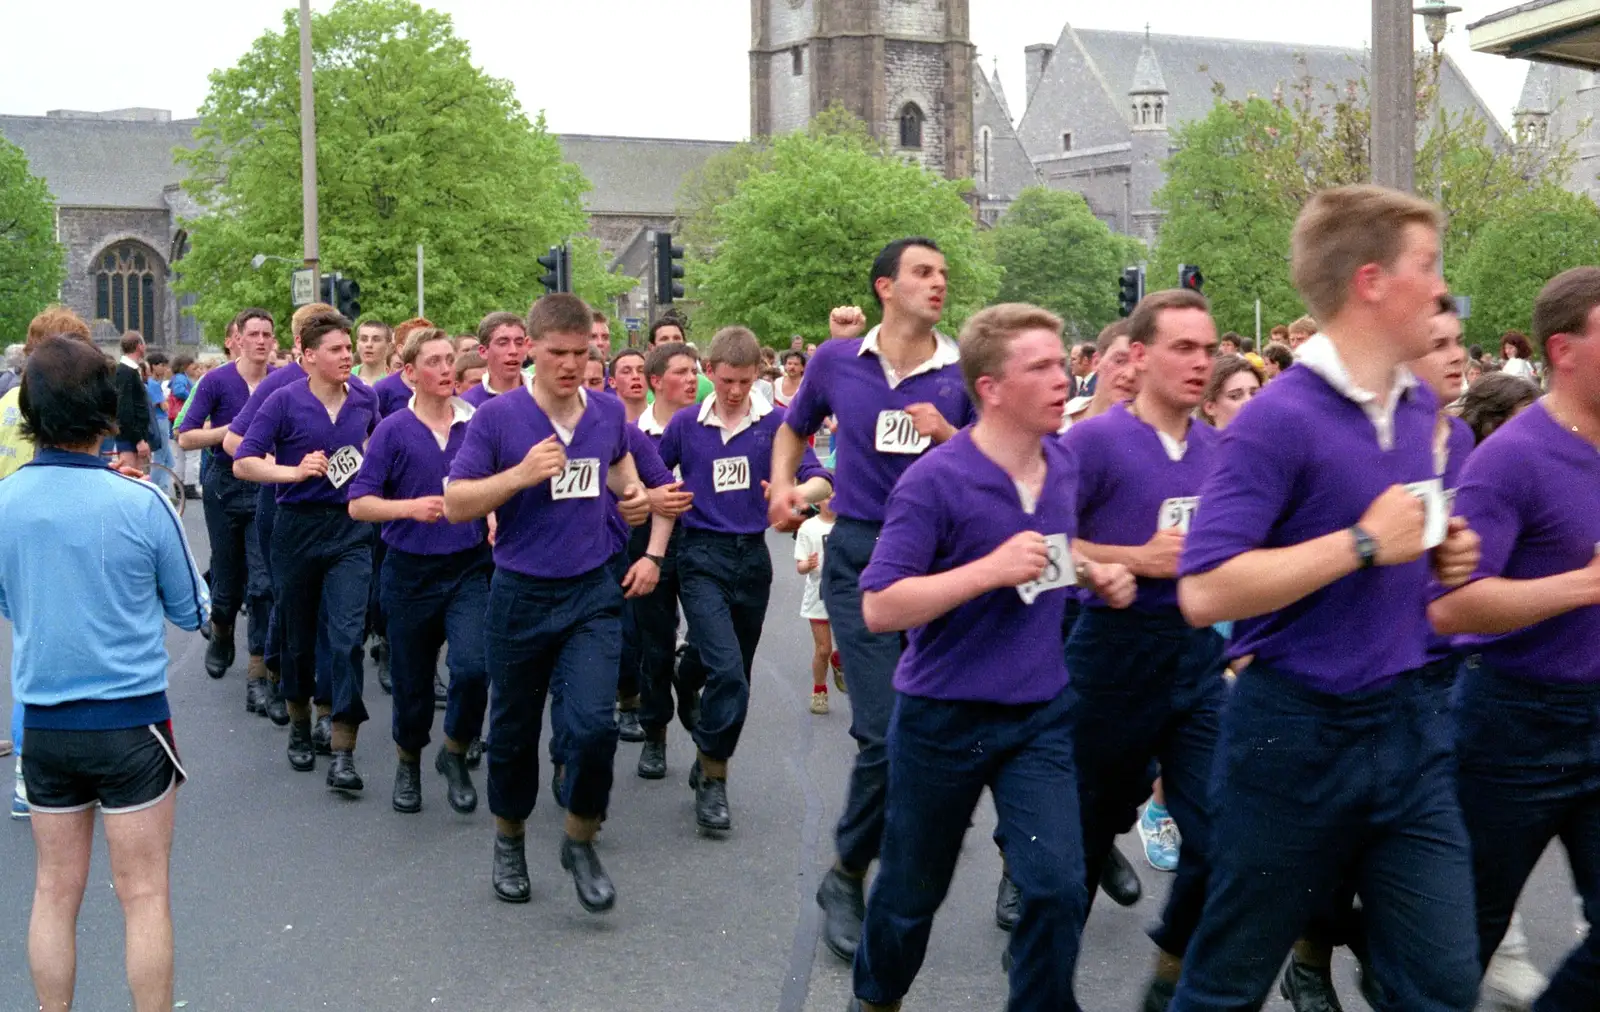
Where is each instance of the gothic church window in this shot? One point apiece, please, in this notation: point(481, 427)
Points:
point(910, 126)
point(985, 135)
point(798, 60)
point(1144, 112)
point(1066, 140)
point(1161, 112)
point(125, 289)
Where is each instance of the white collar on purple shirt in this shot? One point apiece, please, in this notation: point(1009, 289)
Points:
point(759, 408)
point(945, 352)
point(1320, 356)
point(565, 433)
point(647, 422)
point(461, 411)
point(130, 363)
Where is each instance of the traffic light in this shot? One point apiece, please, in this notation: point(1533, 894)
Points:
point(669, 269)
point(346, 294)
point(1130, 289)
point(325, 294)
point(1189, 277)
point(557, 266)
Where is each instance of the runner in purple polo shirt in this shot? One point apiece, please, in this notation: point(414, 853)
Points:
point(973, 565)
point(503, 343)
point(1529, 739)
point(723, 449)
point(1334, 745)
point(895, 393)
point(538, 458)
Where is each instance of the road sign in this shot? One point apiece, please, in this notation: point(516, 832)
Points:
point(300, 293)
point(632, 324)
point(1463, 306)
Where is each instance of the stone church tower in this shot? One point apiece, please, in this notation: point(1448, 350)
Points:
point(1150, 143)
point(903, 66)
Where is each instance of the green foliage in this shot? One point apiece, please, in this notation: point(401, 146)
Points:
point(32, 263)
point(779, 233)
point(414, 145)
point(1055, 253)
point(1240, 176)
point(1519, 248)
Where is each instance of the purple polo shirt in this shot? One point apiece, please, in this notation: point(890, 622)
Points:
point(843, 382)
point(651, 471)
point(538, 535)
point(479, 392)
point(393, 394)
point(221, 394)
point(1301, 461)
point(738, 465)
point(404, 461)
point(1127, 482)
point(1458, 444)
point(276, 380)
point(951, 507)
point(1532, 492)
point(293, 423)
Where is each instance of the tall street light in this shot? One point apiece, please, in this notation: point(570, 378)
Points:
point(1394, 95)
point(1435, 14)
point(308, 147)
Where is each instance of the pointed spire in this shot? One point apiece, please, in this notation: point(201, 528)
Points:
point(1536, 90)
point(1147, 77)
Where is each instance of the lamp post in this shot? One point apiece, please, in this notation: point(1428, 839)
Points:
point(1394, 95)
point(308, 147)
point(1435, 14)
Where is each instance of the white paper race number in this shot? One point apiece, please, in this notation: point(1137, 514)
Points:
point(1435, 510)
point(343, 465)
point(580, 479)
point(1058, 572)
point(1178, 513)
point(730, 474)
point(897, 433)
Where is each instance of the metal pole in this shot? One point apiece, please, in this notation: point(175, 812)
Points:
point(420, 313)
point(1258, 324)
point(1394, 96)
point(308, 150)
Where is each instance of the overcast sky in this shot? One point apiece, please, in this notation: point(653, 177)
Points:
point(658, 68)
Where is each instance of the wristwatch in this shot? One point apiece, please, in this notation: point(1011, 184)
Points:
point(659, 560)
point(1366, 548)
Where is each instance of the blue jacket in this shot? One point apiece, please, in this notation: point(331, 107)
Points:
point(90, 562)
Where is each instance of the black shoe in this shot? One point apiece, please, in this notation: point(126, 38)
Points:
point(628, 726)
point(380, 657)
point(191, 492)
point(510, 872)
point(302, 756)
point(558, 780)
point(1119, 880)
point(595, 890)
point(441, 692)
point(322, 735)
point(1007, 904)
point(463, 797)
point(843, 908)
point(653, 760)
point(277, 709)
point(1158, 995)
point(1309, 988)
point(219, 652)
point(475, 754)
point(342, 775)
point(407, 786)
point(711, 805)
point(257, 693)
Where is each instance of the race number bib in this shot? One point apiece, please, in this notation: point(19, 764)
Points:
point(1059, 571)
point(1436, 510)
point(343, 465)
point(580, 479)
point(897, 433)
point(730, 474)
point(1178, 512)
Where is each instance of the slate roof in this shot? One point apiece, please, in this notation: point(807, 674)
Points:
point(1012, 169)
point(101, 162)
point(1147, 79)
point(636, 175)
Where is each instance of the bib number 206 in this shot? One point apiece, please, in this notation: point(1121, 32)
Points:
point(897, 433)
point(580, 479)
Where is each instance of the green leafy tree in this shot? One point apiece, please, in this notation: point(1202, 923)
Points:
point(1055, 253)
point(781, 233)
point(414, 145)
point(32, 263)
point(1520, 248)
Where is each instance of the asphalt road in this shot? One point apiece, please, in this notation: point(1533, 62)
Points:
point(292, 899)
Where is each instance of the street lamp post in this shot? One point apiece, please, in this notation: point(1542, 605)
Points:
point(1394, 95)
point(1435, 14)
point(308, 147)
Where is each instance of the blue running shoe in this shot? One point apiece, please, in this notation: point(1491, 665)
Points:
point(1160, 836)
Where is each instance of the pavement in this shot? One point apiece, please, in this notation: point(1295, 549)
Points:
point(290, 898)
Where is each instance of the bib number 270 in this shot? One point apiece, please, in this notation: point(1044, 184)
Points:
point(580, 479)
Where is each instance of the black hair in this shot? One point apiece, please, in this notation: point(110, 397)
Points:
point(792, 353)
point(155, 358)
point(319, 326)
point(625, 353)
point(68, 396)
point(253, 313)
point(668, 320)
point(887, 263)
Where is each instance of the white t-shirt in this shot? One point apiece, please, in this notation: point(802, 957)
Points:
point(807, 541)
point(1519, 367)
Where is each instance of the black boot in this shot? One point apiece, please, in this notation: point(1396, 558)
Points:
point(302, 756)
point(1309, 988)
point(322, 735)
point(628, 727)
point(595, 890)
point(463, 797)
point(653, 760)
point(342, 775)
point(256, 695)
point(407, 786)
point(711, 805)
point(843, 908)
point(1119, 880)
point(219, 652)
point(1007, 904)
point(475, 754)
point(510, 874)
point(277, 709)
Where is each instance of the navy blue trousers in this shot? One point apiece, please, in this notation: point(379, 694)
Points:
point(724, 581)
point(321, 568)
point(266, 521)
point(560, 637)
point(1530, 773)
point(431, 601)
point(942, 754)
point(239, 577)
point(1311, 790)
point(655, 619)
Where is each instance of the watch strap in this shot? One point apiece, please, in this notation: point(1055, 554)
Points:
point(1366, 547)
